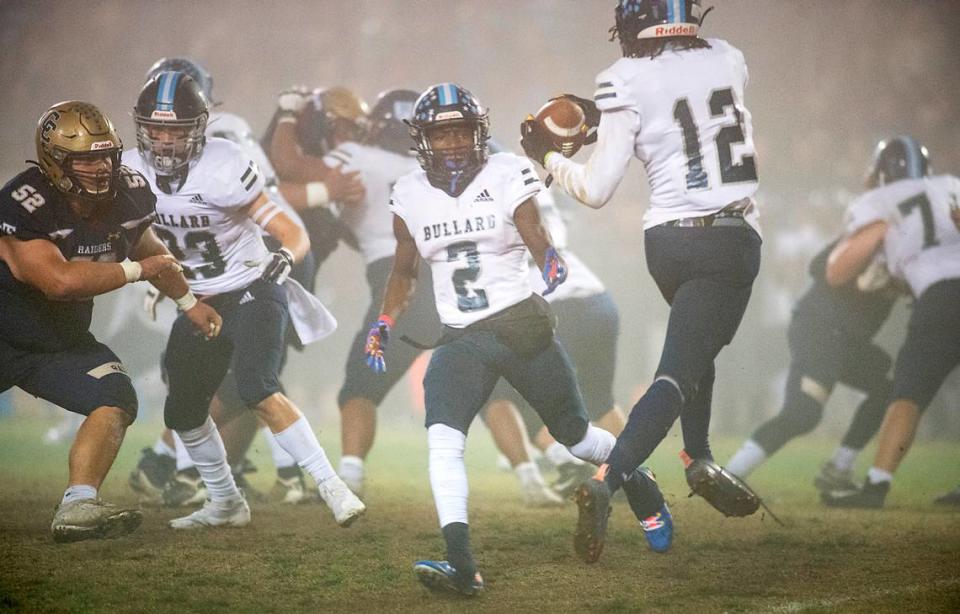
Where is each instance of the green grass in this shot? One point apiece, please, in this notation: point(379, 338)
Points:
point(905, 558)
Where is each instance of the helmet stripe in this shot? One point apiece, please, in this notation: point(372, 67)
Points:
point(166, 89)
point(682, 9)
point(913, 160)
point(671, 11)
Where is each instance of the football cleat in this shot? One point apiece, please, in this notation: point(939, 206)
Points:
point(726, 492)
point(658, 529)
point(292, 490)
point(441, 576)
point(951, 498)
point(92, 519)
point(185, 489)
point(345, 505)
point(570, 475)
point(537, 494)
point(229, 513)
point(249, 492)
point(830, 478)
point(870, 496)
point(593, 500)
point(151, 476)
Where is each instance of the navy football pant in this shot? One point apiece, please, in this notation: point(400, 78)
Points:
point(706, 275)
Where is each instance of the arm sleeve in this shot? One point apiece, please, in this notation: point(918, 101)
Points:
point(595, 182)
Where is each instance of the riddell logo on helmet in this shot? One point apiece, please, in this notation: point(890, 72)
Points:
point(158, 114)
point(101, 145)
point(680, 29)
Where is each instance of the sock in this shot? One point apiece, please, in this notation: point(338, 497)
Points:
point(301, 443)
point(351, 468)
point(649, 421)
point(528, 473)
point(746, 459)
point(876, 476)
point(205, 448)
point(448, 474)
point(457, 536)
point(558, 454)
point(595, 446)
point(183, 457)
point(280, 457)
point(643, 495)
point(163, 449)
point(78, 492)
point(844, 458)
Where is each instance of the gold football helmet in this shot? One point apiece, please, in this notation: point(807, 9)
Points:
point(74, 132)
point(332, 113)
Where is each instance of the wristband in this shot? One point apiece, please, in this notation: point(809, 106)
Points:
point(287, 117)
point(317, 194)
point(186, 302)
point(131, 270)
point(386, 320)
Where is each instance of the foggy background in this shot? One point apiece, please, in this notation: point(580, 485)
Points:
point(827, 80)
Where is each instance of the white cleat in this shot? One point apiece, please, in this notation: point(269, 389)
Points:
point(538, 494)
point(356, 485)
point(92, 519)
point(230, 513)
point(345, 505)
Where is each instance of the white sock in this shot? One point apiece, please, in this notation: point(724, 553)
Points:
point(595, 446)
point(876, 476)
point(448, 474)
point(281, 458)
point(528, 473)
point(77, 492)
point(558, 454)
point(351, 469)
point(301, 443)
point(746, 459)
point(844, 458)
point(161, 448)
point(205, 448)
point(183, 457)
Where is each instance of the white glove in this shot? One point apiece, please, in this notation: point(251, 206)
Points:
point(150, 301)
point(293, 99)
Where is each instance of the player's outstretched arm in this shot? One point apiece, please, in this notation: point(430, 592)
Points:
point(536, 237)
point(173, 284)
point(852, 255)
point(40, 264)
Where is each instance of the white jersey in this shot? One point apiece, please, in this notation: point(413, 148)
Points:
point(922, 244)
point(581, 282)
point(371, 220)
point(203, 224)
point(236, 129)
point(476, 255)
point(682, 114)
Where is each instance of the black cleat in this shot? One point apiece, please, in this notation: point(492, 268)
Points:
point(151, 476)
point(593, 501)
point(726, 492)
point(870, 496)
point(569, 476)
point(951, 498)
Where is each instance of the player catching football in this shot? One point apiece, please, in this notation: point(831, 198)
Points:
point(694, 137)
point(472, 217)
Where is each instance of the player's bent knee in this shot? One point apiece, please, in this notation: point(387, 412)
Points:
point(178, 417)
point(569, 430)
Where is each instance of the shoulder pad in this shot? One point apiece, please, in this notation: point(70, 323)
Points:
point(613, 91)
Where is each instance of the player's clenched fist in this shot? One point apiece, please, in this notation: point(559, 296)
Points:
point(377, 343)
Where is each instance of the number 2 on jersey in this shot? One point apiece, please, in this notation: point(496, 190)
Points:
point(721, 102)
point(468, 297)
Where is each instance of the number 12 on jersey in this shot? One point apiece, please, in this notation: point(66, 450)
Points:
point(722, 104)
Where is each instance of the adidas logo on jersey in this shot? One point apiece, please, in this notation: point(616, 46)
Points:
point(483, 197)
point(198, 200)
point(246, 298)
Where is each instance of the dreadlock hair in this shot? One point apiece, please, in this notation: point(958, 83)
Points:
point(654, 47)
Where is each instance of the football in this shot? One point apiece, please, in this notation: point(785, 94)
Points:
point(566, 124)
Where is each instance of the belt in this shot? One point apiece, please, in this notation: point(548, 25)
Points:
point(731, 215)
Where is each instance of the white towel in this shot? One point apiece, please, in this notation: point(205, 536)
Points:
point(311, 319)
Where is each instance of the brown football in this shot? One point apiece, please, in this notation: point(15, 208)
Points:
point(564, 120)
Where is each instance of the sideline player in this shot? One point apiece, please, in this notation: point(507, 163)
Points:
point(701, 233)
point(210, 209)
point(915, 219)
point(473, 217)
point(75, 227)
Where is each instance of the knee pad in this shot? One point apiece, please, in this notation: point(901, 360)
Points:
point(178, 416)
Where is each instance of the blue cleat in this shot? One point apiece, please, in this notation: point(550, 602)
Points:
point(658, 529)
point(441, 576)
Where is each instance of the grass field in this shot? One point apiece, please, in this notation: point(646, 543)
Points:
point(905, 558)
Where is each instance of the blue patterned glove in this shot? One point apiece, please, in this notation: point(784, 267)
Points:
point(554, 270)
point(377, 342)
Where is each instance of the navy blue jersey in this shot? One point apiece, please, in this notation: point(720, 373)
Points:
point(30, 209)
point(859, 314)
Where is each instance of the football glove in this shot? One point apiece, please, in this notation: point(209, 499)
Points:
point(590, 112)
point(151, 299)
point(377, 339)
point(293, 99)
point(277, 267)
point(535, 141)
point(554, 270)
